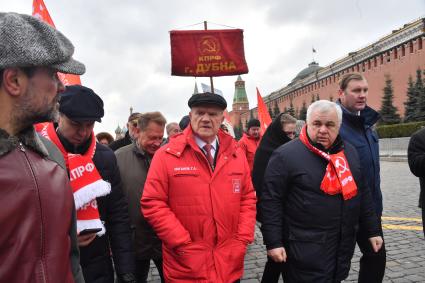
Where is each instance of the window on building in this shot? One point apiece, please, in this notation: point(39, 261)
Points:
point(382, 59)
point(420, 43)
point(411, 46)
point(375, 62)
point(395, 53)
point(358, 68)
point(403, 50)
point(369, 65)
point(388, 56)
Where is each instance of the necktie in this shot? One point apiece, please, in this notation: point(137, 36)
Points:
point(210, 158)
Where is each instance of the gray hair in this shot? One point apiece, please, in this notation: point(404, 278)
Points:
point(169, 127)
point(324, 106)
point(287, 119)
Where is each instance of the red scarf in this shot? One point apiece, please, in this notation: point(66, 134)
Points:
point(338, 178)
point(86, 182)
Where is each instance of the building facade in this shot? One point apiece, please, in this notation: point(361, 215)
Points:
point(397, 55)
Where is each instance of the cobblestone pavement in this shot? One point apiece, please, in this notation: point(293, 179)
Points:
point(405, 246)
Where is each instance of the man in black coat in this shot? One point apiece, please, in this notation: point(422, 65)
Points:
point(416, 158)
point(314, 199)
point(79, 108)
point(358, 120)
point(279, 132)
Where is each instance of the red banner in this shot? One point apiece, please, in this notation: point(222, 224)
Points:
point(39, 10)
point(207, 53)
point(263, 113)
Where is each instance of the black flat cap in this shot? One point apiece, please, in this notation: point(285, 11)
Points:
point(184, 122)
point(207, 98)
point(253, 123)
point(80, 103)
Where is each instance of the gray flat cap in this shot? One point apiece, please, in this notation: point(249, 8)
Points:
point(26, 41)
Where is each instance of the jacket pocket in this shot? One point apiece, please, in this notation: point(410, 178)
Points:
point(188, 262)
point(231, 256)
point(306, 249)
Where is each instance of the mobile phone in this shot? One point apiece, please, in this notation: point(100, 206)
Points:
point(90, 231)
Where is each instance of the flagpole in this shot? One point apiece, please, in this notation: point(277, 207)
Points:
point(211, 78)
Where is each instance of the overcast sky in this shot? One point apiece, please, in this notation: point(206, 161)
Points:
point(126, 48)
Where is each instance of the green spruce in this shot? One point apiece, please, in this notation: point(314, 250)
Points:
point(388, 111)
point(410, 104)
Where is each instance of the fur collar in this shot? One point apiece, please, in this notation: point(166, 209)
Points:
point(27, 137)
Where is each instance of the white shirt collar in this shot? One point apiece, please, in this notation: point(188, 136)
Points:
point(201, 143)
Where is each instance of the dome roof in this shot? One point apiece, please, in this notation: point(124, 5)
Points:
point(312, 67)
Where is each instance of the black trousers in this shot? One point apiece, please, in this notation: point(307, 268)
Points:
point(272, 271)
point(142, 269)
point(372, 265)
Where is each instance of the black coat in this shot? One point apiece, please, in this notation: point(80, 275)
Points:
point(317, 230)
point(272, 139)
point(416, 158)
point(358, 130)
point(95, 259)
point(126, 140)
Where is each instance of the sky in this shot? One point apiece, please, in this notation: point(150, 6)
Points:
point(125, 44)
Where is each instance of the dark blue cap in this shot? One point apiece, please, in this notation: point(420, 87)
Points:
point(80, 103)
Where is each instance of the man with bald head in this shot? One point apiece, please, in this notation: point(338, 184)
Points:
point(312, 195)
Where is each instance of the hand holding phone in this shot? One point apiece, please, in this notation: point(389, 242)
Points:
point(89, 231)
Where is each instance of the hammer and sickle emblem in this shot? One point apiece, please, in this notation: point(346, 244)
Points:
point(341, 165)
point(209, 45)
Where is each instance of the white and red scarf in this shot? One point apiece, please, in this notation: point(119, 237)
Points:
point(86, 182)
point(338, 178)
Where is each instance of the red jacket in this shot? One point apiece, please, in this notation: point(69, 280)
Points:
point(205, 218)
point(249, 146)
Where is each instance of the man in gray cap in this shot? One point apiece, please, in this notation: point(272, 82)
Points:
point(199, 199)
point(102, 215)
point(35, 244)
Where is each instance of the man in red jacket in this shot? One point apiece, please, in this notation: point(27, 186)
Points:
point(199, 199)
point(251, 140)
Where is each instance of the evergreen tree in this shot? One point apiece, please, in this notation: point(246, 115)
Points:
point(270, 110)
point(410, 104)
point(291, 110)
point(276, 110)
point(251, 114)
point(388, 111)
point(285, 110)
point(317, 97)
point(312, 99)
point(331, 98)
point(303, 111)
point(238, 130)
point(419, 90)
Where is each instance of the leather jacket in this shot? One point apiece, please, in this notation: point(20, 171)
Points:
point(37, 242)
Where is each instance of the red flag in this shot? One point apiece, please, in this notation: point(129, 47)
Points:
point(40, 11)
point(263, 113)
point(207, 53)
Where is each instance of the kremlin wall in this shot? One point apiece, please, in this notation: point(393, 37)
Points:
point(398, 55)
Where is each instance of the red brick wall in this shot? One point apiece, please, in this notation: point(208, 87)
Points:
point(399, 67)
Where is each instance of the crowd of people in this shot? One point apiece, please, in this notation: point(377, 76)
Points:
point(80, 207)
